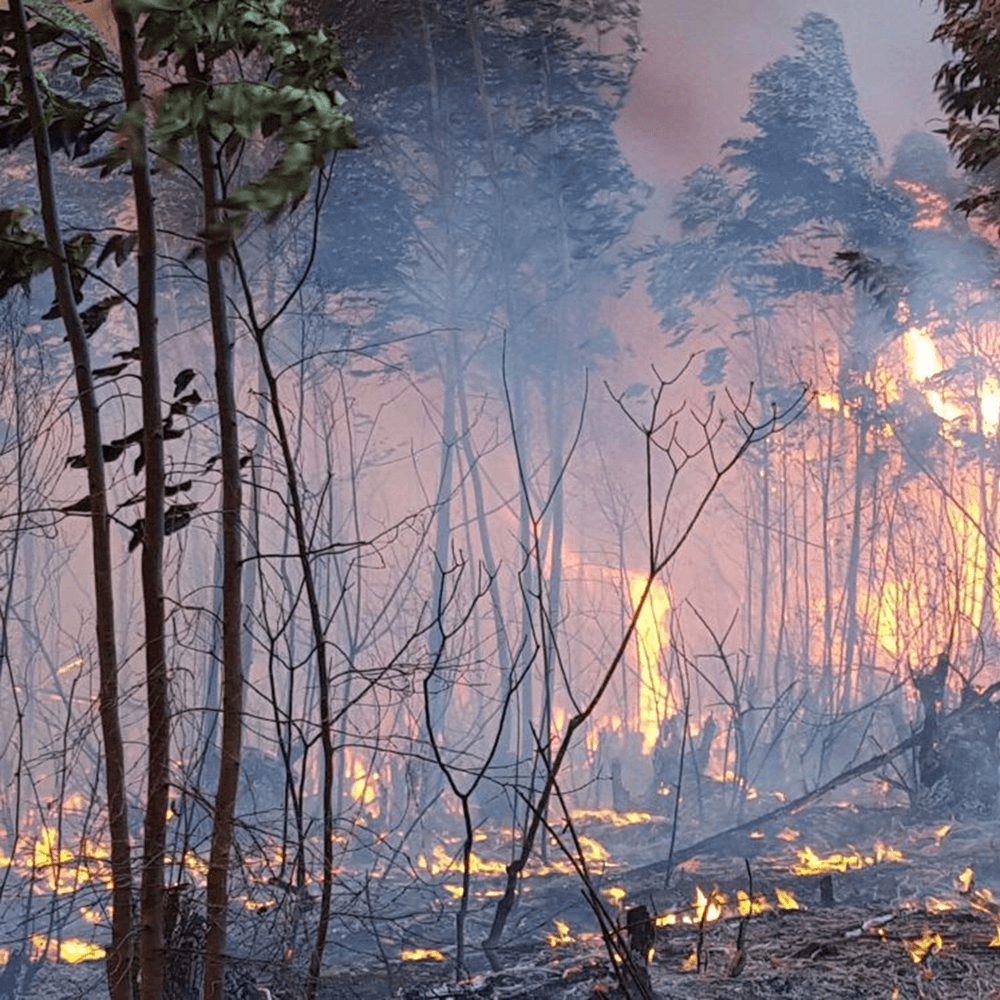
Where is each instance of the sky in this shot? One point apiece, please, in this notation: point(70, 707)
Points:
point(692, 86)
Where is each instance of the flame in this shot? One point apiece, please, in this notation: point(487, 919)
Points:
point(72, 950)
point(786, 901)
point(942, 831)
point(562, 935)
point(828, 399)
point(811, 863)
point(966, 880)
point(615, 894)
point(920, 948)
point(364, 785)
point(923, 359)
point(421, 955)
point(751, 907)
point(690, 964)
point(652, 638)
point(443, 862)
point(707, 908)
point(610, 816)
point(65, 872)
point(995, 940)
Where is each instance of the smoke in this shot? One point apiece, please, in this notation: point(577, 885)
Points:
point(692, 85)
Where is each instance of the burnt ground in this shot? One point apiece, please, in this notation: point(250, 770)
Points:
point(855, 936)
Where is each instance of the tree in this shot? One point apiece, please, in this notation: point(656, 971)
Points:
point(302, 113)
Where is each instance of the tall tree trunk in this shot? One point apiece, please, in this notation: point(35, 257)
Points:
point(120, 955)
point(217, 879)
point(157, 694)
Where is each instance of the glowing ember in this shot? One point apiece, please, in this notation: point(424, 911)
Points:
point(690, 964)
point(787, 834)
point(920, 948)
point(995, 940)
point(934, 905)
point(421, 955)
point(562, 935)
point(786, 901)
point(942, 831)
point(811, 863)
point(966, 880)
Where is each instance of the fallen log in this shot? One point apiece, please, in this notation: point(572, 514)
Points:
point(717, 840)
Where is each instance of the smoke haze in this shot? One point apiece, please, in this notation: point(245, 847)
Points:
point(691, 88)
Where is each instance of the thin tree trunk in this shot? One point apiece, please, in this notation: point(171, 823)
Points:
point(120, 955)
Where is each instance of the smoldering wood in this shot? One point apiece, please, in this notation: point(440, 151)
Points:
point(958, 764)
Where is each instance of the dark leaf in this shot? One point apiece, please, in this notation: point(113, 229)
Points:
point(112, 452)
point(182, 380)
point(210, 464)
point(132, 354)
point(81, 506)
point(93, 317)
point(110, 370)
point(176, 488)
point(137, 533)
point(191, 399)
point(76, 462)
point(139, 463)
point(121, 245)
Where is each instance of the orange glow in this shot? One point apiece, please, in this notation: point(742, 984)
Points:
point(942, 831)
point(652, 639)
point(932, 207)
point(690, 964)
point(934, 905)
point(788, 834)
point(995, 940)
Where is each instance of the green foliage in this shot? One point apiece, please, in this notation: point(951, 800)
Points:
point(299, 110)
point(64, 43)
point(968, 87)
point(22, 252)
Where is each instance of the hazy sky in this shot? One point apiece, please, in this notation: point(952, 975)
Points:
point(692, 86)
